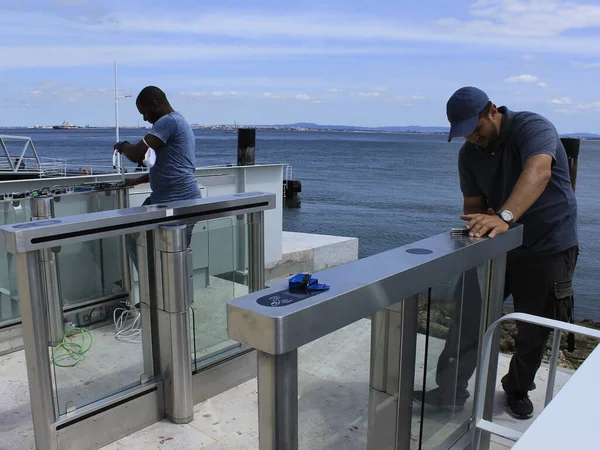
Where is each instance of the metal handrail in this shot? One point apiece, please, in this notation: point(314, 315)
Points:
point(24, 237)
point(486, 349)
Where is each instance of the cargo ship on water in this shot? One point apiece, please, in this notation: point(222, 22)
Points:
point(65, 126)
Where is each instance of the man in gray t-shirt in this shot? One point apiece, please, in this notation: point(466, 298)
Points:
point(172, 138)
point(171, 177)
point(513, 169)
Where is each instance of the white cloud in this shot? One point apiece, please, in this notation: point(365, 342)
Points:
point(526, 78)
point(128, 35)
point(519, 92)
point(74, 55)
point(53, 90)
point(378, 89)
point(418, 97)
point(562, 101)
point(583, 65)
point(225, 94)
point(370, 94)
point(302, 97)
point(542, 84)
point(594, 106)
point(529, 57)
point(565, 111)
point(533, 17)
point(488, 20)
point(334, 90)
point(270, 95)
point(193, 94)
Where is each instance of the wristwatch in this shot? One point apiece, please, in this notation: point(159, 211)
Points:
point(507, 216)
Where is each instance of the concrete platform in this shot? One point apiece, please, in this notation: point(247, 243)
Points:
point(333, 389)
point(304, 252)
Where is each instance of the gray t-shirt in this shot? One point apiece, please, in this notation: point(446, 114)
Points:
point(172, 177)
point(550, 224)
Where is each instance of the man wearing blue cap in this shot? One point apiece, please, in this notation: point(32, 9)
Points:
point(512, 168)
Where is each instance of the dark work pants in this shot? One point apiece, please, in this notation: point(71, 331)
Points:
point(541, 286)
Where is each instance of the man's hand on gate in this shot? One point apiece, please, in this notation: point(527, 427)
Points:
point(481, 224)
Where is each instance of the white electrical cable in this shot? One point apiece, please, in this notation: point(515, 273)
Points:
point(127, 325)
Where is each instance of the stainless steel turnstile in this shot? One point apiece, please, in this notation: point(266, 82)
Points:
point(383, 286)
point(165, 388)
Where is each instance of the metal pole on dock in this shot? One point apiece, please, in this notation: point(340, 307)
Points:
point(246, 155)
point(121, 158)
point(571, 146)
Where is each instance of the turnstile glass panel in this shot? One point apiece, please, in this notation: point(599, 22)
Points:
point(99, 260)
point(220, 263)
point(449, 319)
point(87, 270)
point(333, 389)
point(12, 211)
point(94, 363)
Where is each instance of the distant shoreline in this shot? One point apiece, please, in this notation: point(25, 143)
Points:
point(287, 128)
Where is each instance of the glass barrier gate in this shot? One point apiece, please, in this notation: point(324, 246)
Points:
point(171, 348)
point(429, 304)
point(106, 267)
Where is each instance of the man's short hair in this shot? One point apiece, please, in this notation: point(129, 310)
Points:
point(150, 94)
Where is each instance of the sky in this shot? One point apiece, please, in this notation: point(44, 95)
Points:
point(338, 62)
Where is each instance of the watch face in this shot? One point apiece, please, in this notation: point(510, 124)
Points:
point(506, 216)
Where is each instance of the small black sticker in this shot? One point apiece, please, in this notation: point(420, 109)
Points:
point(286, 297)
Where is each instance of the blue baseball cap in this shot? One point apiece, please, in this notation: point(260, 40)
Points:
point(463, 110)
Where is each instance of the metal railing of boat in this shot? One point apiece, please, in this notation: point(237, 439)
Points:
point(44, 167)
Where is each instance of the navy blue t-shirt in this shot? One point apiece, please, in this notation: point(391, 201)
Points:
point(550, 224)
point(172, 176)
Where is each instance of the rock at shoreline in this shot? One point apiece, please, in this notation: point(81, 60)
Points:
point(441, 313)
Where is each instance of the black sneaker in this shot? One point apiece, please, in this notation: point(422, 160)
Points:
point(519, 405)
point(439, 399)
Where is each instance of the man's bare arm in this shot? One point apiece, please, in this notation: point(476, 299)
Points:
point(537, 171)
point(140, 180)
point(136, 152)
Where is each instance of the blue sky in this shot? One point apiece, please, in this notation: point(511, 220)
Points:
point(345, 62)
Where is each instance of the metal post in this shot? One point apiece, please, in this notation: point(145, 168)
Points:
point(246, 145)
point(392, 377)
point(256, 251)
point(491, 311)
point(552, 366)
point(406, 368)
point(123, 202)
point(571, 146)
point(174, 291)
point(42, 208)
point(34, 317)
point(379, 350)
point(278, 401)
point(144, 287)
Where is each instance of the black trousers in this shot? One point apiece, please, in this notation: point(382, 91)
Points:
point(539, 285)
